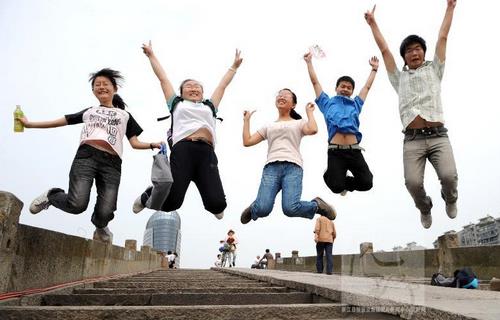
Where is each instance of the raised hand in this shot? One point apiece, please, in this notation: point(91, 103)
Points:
point(147, 49)
point(237, 59)
point(247, 114)
point(310, 107)
point(452, 3)
point(370, 15)
point(308, 56)
point(373, 62)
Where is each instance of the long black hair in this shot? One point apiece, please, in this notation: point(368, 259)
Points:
point(293, 114)
point(116, 79)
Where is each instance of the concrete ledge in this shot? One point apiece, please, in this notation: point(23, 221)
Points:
point(409, 301)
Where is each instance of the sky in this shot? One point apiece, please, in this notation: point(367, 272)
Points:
point(49, 47)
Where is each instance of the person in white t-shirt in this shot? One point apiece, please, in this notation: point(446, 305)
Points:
point(99, 156)
point(193, 139)
point(283, 169)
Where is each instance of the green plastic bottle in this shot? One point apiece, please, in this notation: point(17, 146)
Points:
point(18, 125)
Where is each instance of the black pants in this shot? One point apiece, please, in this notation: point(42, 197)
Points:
point(194, 161)
point(339, 161)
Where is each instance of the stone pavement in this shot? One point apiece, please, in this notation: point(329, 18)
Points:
point(407, 300)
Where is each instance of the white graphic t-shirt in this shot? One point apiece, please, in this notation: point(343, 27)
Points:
point(105, 124)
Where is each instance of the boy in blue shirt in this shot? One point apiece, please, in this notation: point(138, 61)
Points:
point(341, 114)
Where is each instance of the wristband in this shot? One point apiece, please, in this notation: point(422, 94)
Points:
point(232, 69)
point(151, 146)
point(374, 70)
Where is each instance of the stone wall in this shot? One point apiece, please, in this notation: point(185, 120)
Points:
point(32, 257)
point(484, 261)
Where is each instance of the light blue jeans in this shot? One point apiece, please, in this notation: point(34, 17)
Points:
point(285, 176)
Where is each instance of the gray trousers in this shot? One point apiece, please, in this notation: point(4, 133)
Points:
point(437, 149)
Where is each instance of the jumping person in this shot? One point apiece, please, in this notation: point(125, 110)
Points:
point(99, 156)
point(193, 139)
point(283, 169)
point(341, 115)
point(425, 137)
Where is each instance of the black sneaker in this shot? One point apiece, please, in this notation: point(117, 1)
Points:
point(246, 216)
point(325, 209)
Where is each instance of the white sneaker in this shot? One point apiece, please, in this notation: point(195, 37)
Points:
point(40, 203)
point(219, 215)
point(426, 220)
point(451, 210)
point(137, 206)
point(103, 234)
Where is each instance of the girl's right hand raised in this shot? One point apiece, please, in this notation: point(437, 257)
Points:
point(247, 114)
point(310, 107)
point(308, 57)
point(147, 49)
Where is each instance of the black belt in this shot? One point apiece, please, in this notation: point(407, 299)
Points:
point(355, 146)
point(425, 131)
point(198, 139)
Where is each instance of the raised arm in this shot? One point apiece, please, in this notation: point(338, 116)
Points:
point(44, 124)
point(311, 127)
point(390, 63)
point(374, 65)
point(444, 30)
point(166, 85)
point(226, 79)
point(312, 74)
point(249, 140)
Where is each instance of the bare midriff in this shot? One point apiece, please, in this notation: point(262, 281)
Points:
point(344, 139)
point(201, 133)
point(419, 123)
point(101, 145)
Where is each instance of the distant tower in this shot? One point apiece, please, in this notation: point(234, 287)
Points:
point(163, 232)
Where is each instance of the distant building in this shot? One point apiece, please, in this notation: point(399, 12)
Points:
point(485, 232)
point(163, 232)
point(410, 246)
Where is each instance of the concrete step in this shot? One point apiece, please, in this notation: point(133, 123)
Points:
point(256, 312)
point(177, 299)
point(181, 290)
point(208, 280)
point(177, 285)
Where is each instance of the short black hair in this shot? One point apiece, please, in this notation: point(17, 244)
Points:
point(346, 79)
point(411, 39)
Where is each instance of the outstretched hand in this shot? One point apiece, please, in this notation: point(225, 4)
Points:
point(147, 49)
point(308, 56)
point(374, 62)
point(237, 59)
point(248, 114)
point(452, 3)
point(24, 121)
point(370, 15)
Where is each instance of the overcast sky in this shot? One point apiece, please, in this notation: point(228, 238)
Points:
point(49, 47)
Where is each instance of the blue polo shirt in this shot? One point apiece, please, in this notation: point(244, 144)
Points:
point(341, 114)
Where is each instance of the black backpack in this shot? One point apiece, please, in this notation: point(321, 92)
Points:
point(175, 102)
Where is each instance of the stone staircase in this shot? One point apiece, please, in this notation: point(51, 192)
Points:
point(183, 294)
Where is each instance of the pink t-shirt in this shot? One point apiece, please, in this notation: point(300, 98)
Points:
point(283, 139)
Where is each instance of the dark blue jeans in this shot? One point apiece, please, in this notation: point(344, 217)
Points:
point(89, 164)
point(326, 249)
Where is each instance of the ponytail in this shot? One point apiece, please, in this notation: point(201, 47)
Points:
point(295, 115)
point(118, 102)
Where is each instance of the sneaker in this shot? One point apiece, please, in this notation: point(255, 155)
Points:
point(325, 209)
point(40, 203)
point(343, 193)
point(104, 235)
point(426, 219)
point(451, 210)
point(138, 206)
point(246, 216)
point(219, 215)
